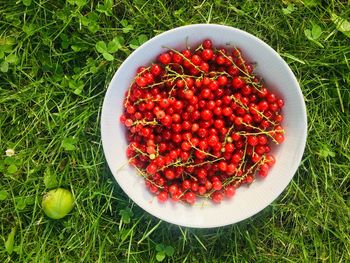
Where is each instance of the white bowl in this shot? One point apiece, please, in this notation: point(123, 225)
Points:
point(247, 200)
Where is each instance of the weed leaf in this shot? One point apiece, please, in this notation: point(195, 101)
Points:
point(27, 2)
point(126, 215)
point(160, 256)
point(50, 179)
point(4, 66)
point(142, 38)
point(21, 203)
point(12, 59)
point(289, 9)
point(119, 41)
point(108, 56)
point(341, 24)
point(101, 47)
point(325, 152)
point(79, 3)
point(169, 251)
point(314, 34)
point(68, 143)
point(12, 169)
point(160, 247)
point(124, 22)
point(316, 31)
point(10, 241)
point(310, 3)
point(3, 195)
point(112, 47)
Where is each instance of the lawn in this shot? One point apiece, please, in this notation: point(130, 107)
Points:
point(53, 78)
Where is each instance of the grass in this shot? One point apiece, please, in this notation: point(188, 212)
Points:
point(52, 83)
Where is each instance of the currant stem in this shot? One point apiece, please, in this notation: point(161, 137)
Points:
point(184, 58)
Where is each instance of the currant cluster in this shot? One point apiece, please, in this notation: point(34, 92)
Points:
point(200, 124)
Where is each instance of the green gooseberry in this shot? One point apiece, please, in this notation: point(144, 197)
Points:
point(57, 203)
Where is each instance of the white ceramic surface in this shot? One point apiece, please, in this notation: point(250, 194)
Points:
point(247, 200)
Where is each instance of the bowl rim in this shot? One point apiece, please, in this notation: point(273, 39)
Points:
point(209, 26)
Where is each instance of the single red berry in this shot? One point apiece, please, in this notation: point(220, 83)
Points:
point(151, 169)
point(278, 118)
point(189, 82)
point(280, 103)
point(176, 138)
point(188, 94)
point(202, 190)
point(196, 60)
point(186, 53)
point(263, 173)
point(186, 146)
point(279, 137)
point(200, 154)
point(238, 121)
point(260, 149)
point(162, 196)
point(190, 198)
point(213, 140)
point(194, 186)
point(213, 85)
point(149, 78)
point(273, 107)
point(164, 103)
point(153, 188)
point(160, 114)
point(247, 118)
point(233, 71)
point(262, 139)
point(217, 197)
point(253, 140)
point(217, 185)
point(141, 81)
point(220, 60)
point(237, 82)
point(246, 90)
point(222, 167)
point(207, 54)
point(177, 58)
point(249, 179)
point(166, 120)
point(231, 168)
point(263, 105)
point(207, 44)
point(236, 158)
point(271, 97)
point(156, 70)
point(270, 160)
point(206, 115)
point(219, 123)
point(186, 184)
point(201, 173)
point(230, 191)
point(264, 124)
point(165, 58)
point(173, 189)
point(208, 185)
point(169, 174)
point(222, 80)
point(264, 167)
point(202, 132)
point(128, 122)
point(227, 111)
point(256, 158)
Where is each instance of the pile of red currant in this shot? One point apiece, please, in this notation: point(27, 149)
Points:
point(199, 123)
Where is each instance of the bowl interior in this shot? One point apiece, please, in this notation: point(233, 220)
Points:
point(248, 200)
